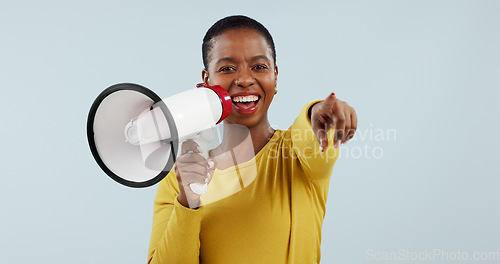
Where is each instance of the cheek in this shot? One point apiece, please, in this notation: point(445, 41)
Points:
point(223, 81)
point(268, 83)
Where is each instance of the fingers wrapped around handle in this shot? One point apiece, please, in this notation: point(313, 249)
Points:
point(191, 168)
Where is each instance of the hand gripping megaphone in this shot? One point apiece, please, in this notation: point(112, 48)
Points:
point(134, 135)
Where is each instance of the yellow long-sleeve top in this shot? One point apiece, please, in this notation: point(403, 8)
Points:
point(276, 218)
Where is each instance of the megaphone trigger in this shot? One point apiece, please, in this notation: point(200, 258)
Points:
point(199, 188)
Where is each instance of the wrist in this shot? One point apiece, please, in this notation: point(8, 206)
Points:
point(191, 204)
point(309, 112)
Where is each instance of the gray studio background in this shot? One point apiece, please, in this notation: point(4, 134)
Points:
point(422, 173)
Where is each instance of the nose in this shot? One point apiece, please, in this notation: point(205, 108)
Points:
point(244, 78)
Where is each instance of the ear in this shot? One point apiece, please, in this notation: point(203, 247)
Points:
point(204, 76)
point(276, 72)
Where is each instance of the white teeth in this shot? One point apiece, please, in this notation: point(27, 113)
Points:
point(244, 99)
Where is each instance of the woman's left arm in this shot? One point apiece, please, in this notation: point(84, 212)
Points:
point(320, 126)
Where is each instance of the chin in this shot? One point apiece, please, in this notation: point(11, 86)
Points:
point(244, 121)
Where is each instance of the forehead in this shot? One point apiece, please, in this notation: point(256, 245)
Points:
point(239, 44)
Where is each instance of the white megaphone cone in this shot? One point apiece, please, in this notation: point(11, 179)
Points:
point(134, 135)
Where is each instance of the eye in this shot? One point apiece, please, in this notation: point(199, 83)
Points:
point(227, 69)
point(260, 67)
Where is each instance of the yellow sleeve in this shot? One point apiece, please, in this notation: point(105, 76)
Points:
point(317, 165)
point(175, 237)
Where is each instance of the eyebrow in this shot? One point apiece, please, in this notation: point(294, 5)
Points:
point(260, 57)
point(228, 59)
point(254, 58)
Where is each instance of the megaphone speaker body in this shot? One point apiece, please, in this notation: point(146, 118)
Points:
point(134, 135)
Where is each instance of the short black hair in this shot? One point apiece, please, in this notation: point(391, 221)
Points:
point(234, 22)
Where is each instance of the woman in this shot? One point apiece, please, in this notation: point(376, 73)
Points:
point(278, 217)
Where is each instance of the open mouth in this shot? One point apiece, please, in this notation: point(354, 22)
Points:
point(245, 101)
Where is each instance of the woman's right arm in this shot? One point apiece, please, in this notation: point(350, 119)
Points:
point(175, 237)
point(176, 228)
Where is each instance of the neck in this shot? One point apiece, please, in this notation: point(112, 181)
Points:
point(234, 134)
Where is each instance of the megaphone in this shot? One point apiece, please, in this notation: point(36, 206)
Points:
point(134, 135)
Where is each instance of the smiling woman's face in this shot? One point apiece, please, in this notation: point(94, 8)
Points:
point(241, 62)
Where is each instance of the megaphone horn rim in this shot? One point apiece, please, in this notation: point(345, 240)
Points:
point(157, 103)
